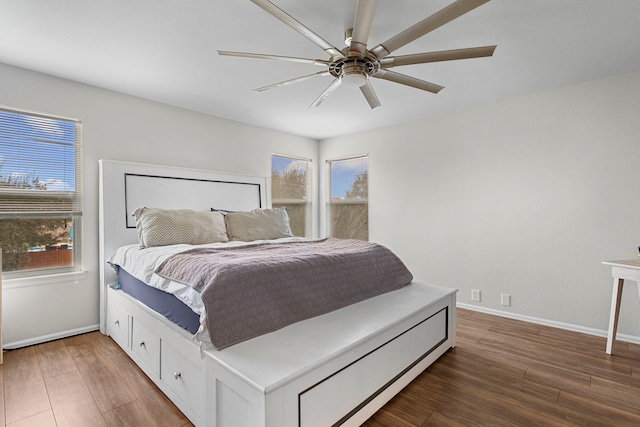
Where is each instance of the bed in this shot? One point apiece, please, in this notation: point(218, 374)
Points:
point(336, 368)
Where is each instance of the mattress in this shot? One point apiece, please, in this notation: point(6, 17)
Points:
point(162, 302)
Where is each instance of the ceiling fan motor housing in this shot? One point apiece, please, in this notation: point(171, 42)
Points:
point(354, 71)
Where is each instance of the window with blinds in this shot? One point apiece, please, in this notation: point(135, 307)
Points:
point(40, 192)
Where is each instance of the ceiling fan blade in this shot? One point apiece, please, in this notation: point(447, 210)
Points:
point(438, 19)
point(333, 86)
point(296, 25)
point(321, 62)
point(370, 95)
point(408, 81)
point(296, 80)
point(444, 55)
point(362, 26)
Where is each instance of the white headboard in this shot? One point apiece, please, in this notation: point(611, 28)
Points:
point(126, 186)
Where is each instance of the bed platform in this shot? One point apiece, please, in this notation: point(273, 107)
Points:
point(334, 369)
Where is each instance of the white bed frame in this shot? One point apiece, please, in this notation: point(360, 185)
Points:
point(335, 369)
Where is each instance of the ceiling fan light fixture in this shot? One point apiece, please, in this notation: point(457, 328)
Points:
point(354, 75)
point(354, 80)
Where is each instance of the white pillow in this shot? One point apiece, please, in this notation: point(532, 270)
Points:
point(258, 224)
point(161, 227)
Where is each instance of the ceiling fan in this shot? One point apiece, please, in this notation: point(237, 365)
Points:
point(355, 65)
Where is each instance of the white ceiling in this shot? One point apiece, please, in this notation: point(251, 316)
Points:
point(165, 50)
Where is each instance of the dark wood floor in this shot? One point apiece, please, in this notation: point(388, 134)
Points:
point(502, 373)
point(509, 373)
point(81, 381)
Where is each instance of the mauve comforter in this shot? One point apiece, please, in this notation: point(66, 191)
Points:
point(252, 290)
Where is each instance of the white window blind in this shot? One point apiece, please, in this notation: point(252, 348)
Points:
point(40, 164)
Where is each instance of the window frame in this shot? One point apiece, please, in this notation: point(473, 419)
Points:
point(74, 210)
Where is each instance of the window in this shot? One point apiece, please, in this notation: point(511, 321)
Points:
point(290, 190)
point(349, 204)
point(40, 192)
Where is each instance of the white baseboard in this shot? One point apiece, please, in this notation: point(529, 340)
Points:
point(51, 337)
point(552, 323)
point(560, 325)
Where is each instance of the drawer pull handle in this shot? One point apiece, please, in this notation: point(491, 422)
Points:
point(177, 375)
point(142, 344)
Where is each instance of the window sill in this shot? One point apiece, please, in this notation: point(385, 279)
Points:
point(43, 280)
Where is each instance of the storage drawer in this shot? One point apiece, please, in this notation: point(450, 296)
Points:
point(333, 398)
point(118, 325)
point(183, 377)
point(146, 345)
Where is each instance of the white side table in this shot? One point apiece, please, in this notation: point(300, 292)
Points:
point(621, 271)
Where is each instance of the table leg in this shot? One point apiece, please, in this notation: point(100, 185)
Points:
point(615, 312)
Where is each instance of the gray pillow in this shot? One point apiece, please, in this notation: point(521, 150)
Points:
point(161, 227)
point(258, 224)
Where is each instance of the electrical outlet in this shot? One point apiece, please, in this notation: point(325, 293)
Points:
point(475, 295)
point(505, 299)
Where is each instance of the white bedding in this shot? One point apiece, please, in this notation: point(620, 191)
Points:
point(142, 262)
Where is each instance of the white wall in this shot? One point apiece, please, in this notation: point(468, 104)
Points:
point(122, 127)
point(525, 197)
